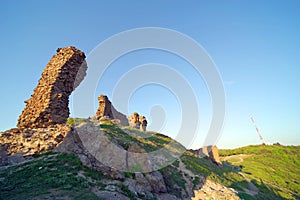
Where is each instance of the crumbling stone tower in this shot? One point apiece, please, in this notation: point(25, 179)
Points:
point(134, 121)
point(104, 109)
point(107, 111)
point(137, 121)
point(48, 104)
point(143, 123)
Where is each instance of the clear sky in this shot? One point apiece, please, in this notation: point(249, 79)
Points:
point(254, 44)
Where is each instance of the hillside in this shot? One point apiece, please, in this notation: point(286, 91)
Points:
point(59, 175)
point(273, 168)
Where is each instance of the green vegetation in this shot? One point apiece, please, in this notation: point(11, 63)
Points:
point(76, 121)
point(129, 175)
point(54, 175)
point(126, 136)
point(224, 175)
point(279, 184)
point(153, 141)
point(273, 168)
point(173, 180)
point(196, 181)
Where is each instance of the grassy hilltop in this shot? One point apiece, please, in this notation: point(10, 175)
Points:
point(256, 172)
point(274, 168)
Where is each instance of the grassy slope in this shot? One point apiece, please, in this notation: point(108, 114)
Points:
point(48, 176)
point(63, 175)
point(273, 168)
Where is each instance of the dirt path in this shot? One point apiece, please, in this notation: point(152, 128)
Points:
point(235, 159)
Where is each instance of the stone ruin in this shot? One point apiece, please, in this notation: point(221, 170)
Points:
point(41, 126)
point(134, 120)
point(211, 152)
point(143, 122)
point(214, 155)
point(137, 121)
point(107, 111)
point(49, 104)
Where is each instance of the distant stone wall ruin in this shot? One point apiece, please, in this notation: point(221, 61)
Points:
point(211, 152)
point(143, 122)
point(137, 121)
point(107, 111)
point(134, 120)
point(48, 104)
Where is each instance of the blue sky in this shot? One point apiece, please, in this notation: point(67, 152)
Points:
point(254, 44)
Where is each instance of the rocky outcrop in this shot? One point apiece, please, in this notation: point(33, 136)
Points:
point(107, 111)
point(210, 152)
point(156, 181)
point(33, 141)
point(49, 103)
point(91, 146)
point(137, 121)
point(90, 143)
point(137, 159)
point(213, 190)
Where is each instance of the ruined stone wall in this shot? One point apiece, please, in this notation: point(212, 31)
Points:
point(137, 121)
point(104, 109)
point(214, 154)
point(107, 111)
point(48, 104)
point(211, 152)
point(41, 126)
point(143, 122)
point(134, 121)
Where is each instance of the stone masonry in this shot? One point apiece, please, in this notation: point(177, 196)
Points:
point(211, 152)
point(41, 126)
point(137, 121)
point(134, 121)
point(143, 122)
point(107, 111)
point(48, 104)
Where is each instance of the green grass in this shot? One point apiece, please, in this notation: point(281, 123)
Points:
point(126, 136)
point(206, 168)
point(196, 181)
point(48, 173)
point(75, 121)
point(281, 183)
point(273, 168)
